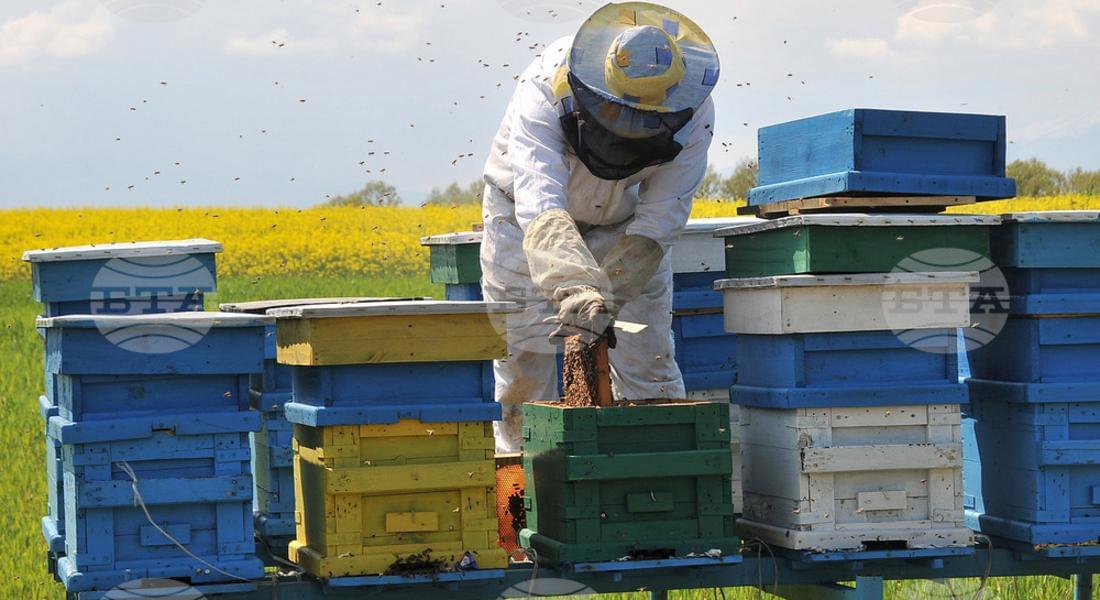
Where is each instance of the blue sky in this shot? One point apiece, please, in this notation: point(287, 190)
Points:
point(277, 103)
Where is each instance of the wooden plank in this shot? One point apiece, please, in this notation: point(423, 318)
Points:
point(393, 308)
point(881, 458)
point(260, 307)
point(855, 204)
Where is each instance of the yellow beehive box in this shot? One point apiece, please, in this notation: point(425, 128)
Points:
point(369, 497)
point(388, 332)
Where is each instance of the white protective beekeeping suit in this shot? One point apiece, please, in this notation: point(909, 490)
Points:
point(532, 170)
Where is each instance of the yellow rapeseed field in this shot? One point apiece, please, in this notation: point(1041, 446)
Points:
point(266, 242)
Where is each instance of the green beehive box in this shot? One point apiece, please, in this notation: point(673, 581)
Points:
point(857, 243)
point(645, 480)
point(454, 257)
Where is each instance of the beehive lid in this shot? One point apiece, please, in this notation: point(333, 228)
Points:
point(453, 239)
point(123, 250)
point(712, 224)
point(378, 309)
point(260, 307)
point(196, 319)
point(857, 220)
point(789, 281)
point(1052, 216)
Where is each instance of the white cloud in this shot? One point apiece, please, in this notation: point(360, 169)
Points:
point(332, 27)
point(862, 48)
point(71, 29)
point(1011, 24)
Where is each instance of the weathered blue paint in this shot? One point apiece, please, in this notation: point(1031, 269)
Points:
point(847, 359)
point(78, 350)
point(705, 353)
point(389, 392)
point(196, 487)
point(463, 291)
point(822, 397)
point(1031, 472)
point(273, 470)
point(110, 397)
point(75, 280)
point(1053, 291)
point(1049, 349)
point(867, 151)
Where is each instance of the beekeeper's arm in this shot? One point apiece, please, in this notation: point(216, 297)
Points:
point(664, 205)
point(562, 267)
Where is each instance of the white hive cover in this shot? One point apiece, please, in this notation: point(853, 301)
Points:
point(1052, 216)
point(183, 319)
point(453, 239)
point(260, 307)
point(785, 281)
point(123, 250)
point(378, 309)
point(857, 220)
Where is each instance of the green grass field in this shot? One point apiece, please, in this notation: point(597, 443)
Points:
point(23, 482)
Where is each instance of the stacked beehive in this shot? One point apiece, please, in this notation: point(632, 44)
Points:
point(640, 480)
point(848, 376)
point(1032, 457)
point(272, 464)
point(393, 439)
point(153, 421)
point(847, 325)
point(165, 276)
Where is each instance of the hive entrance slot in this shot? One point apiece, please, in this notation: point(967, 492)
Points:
point(652, 554)
point(886, 545)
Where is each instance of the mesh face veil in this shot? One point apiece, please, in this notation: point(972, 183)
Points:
point(616, 141)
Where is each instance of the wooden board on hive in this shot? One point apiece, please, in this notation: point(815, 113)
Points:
point(841, 204)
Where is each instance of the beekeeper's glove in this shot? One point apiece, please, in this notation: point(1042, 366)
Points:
point(563, 268)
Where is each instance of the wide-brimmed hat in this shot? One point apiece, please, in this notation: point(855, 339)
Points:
point(646, 57)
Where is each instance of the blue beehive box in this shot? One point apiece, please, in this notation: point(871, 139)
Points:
point(145, 383)
point(705, 352)
point(80, 279)
point(870, 152)
point(1031, 472)
point(866, 368)
point(164, 276)
point(381, 362)
point(1051, 261)
point(194, 487)
point(1042, 350)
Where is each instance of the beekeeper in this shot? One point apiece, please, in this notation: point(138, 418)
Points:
point(589, 181)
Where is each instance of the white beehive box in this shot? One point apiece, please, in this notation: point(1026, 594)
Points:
point(848, 478)
point(698, 251)
point(859, 302)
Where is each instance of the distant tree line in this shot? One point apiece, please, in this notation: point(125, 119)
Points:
point(1033, 178)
